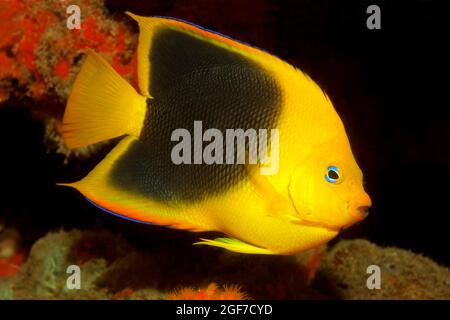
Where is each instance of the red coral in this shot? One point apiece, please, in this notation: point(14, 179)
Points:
point(212, 292)
point(91, 31)
point(38, 50)
point(313, 264)
point(124, 294)
point(62, 68)
point(10, 266)
point(9, 36)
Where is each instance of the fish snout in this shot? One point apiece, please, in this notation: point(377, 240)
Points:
point(360, 207)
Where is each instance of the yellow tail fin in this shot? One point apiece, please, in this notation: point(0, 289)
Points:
point(101, 106)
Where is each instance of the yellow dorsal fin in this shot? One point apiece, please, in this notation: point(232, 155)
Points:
point(101, 106)
point(151, 27)
point(234, 245)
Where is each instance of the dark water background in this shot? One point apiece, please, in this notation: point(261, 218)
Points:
point(390, 87)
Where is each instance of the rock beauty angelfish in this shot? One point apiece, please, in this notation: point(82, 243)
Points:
point(187, 74)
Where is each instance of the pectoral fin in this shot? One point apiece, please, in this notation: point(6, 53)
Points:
point(277, 204)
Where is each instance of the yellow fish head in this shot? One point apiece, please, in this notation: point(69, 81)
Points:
point(327, 188)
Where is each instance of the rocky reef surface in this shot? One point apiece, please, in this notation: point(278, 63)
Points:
point(111, 268)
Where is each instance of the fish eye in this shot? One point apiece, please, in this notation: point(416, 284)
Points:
point(332, 175)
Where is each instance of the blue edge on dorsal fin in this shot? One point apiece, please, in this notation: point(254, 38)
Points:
point(218, 33)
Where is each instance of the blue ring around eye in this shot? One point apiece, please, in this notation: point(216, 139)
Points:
point(334, 169)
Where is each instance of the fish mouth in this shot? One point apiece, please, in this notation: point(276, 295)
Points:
point(360, 213)
point(360, 207)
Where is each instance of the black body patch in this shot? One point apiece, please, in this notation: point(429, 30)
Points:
point(195, 80)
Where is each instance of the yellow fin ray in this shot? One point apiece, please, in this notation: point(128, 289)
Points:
point(234, 245)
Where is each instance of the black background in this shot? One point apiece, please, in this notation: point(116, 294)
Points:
point(389, 87)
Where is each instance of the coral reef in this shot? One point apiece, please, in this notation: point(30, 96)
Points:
point(113, 269)
point(44, 275)
point(38, 51)
point(404, 275)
